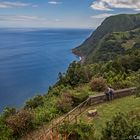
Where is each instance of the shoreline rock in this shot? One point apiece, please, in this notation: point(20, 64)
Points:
point(79, 55)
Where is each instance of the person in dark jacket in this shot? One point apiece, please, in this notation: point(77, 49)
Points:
point(109, 93)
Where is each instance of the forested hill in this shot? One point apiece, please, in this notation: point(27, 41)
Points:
point(99, 40)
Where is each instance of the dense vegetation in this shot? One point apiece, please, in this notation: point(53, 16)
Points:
point(116, 64)
point(77, 131)
point(122, 126)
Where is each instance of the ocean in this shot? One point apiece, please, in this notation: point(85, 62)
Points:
point(30, 60)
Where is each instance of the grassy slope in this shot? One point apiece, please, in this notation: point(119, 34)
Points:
point(114, 44)
point(107, 110)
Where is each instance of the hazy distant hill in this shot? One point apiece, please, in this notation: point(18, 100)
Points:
point(114, 36)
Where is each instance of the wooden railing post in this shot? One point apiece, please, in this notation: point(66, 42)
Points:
point(76, 119)
point(51, 134)
point(80, 110)
point(68, 118)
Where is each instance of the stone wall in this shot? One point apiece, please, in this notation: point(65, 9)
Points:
point(101, 97)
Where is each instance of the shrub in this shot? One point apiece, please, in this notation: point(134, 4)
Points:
point(45, 114)
point(121, 127)
point(80, 94)
point(76, 74)
point(56, 90)
point(98, 84)
point(35, 102)
point(20, 122)
point(8, 112)
point(122, 84)
point(65, 103)
point(79, 98)
point(77, 131)
point(5, 131)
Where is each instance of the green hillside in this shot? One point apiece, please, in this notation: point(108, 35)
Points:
point(114, 44)
point(110, 35)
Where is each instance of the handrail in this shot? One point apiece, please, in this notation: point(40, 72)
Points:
point(69, 113)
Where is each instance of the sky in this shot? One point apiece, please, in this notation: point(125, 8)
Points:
point(62, 13)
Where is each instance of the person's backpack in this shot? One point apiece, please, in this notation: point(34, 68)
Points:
point(111, 91)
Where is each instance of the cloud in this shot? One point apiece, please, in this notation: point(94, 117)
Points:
point(100, 5)
point(57, 20)
point(109, 5)
point(101, 16)
point(54, 2)
point(20, 18)
point(7, 4)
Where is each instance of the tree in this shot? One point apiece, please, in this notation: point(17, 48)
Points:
point(35, 102)
point(8, 112)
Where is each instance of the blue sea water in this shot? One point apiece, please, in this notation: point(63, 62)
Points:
point(30, 60)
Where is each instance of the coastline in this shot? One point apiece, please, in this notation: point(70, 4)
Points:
point(79, 55)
